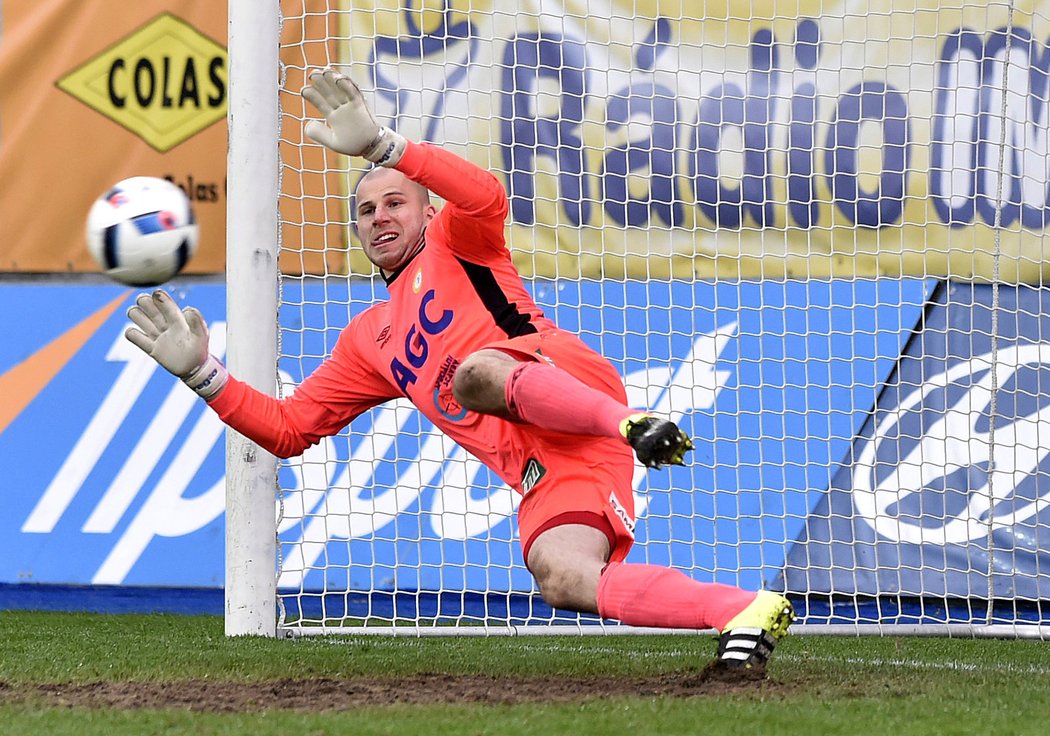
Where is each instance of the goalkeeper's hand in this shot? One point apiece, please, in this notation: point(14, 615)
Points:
point(177, 340)
point(351, 128)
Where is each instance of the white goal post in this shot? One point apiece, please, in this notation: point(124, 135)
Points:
point(814, 235)
point(251, 282)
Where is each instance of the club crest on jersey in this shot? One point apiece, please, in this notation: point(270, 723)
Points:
point(417, 281)
point(451, 409)
point(444, 401)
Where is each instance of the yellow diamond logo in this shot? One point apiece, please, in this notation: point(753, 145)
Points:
point(165, 82)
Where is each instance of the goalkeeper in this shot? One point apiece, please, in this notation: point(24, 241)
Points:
point(462, 338)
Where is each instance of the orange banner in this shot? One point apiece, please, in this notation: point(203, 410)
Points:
point(92, 92)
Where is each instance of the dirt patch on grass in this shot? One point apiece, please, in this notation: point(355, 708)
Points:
point(342, 694)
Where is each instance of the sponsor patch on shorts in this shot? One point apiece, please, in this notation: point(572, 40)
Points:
point(621, 512)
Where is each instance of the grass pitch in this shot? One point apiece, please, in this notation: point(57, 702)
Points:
point(115, 675)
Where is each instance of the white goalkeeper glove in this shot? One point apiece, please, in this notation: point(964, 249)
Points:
point(177, 340)
point(351, 128)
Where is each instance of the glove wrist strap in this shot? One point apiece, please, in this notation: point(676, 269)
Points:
point(386, 149)
point(208, 378)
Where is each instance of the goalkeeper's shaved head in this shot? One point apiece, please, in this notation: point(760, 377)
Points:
point(408, 185)
point(392, 215)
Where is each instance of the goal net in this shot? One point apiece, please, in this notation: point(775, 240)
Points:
point(810, 233)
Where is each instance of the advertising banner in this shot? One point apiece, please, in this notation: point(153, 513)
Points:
point(653, 139)
point(93, 91)
point(115, 474)
point(738, 139)
point(945, 491)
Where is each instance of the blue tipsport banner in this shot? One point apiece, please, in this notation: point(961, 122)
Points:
point(938, 499)
point(115, 470)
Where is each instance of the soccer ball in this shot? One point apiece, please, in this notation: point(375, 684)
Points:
point(142, 231)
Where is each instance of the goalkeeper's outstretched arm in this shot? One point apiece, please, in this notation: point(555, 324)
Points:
point(349, 125)
point(339, 390)
point(178, 340)
point(477, 204)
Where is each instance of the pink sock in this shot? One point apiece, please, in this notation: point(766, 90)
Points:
point(650, 595)
point(551, 398)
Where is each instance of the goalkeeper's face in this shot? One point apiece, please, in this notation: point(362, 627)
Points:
point(392, 215)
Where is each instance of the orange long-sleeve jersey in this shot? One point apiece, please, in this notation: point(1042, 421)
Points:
point(458, 294)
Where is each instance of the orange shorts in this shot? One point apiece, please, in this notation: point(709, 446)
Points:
point(578, 480)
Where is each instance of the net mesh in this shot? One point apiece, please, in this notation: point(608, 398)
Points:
point(811, 233)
